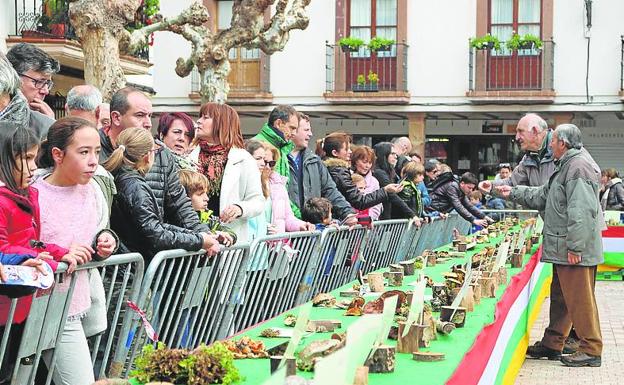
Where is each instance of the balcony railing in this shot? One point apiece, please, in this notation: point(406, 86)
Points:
point(518, 70)
point(37, 19)
point(622, 65)
point(365, 70)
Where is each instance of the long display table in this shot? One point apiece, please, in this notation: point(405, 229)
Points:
point(489, 349)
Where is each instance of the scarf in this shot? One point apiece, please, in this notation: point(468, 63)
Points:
point(17, 111)
point(212, 160)
point(271, 136)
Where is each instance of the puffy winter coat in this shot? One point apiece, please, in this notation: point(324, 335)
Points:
point(19, 225)
point(173, 203)
point(341, 174)
point(282, 215)
point(615, 196)
point(447, 195)
point(136, 218)
point(393, 207)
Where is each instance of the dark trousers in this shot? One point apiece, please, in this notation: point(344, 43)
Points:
point(572, 301)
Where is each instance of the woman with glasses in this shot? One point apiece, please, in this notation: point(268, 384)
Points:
point(278, 216)
point(335, 150)
point(235, 190)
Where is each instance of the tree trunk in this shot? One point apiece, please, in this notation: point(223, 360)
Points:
point(214, 83)
point(101, 60)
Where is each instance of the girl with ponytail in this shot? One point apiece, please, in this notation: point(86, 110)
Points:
point(135, 214)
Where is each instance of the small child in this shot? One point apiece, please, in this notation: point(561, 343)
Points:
point(413, 173)
point(317, 211)
point(360, 183)
point(196, 186)
point(475, 200)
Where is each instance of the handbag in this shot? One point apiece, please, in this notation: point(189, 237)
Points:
point(94, 321)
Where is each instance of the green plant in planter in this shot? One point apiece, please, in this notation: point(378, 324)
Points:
point(514, 42)
point(361, 80)
point(486, 41)
point(351, 43)
point(531, 41)
point(380, 44)
point(372, 77)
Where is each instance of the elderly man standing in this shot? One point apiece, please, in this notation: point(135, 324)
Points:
point(84, 102)
point(572, 243)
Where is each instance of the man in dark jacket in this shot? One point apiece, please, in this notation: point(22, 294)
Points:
point(309, 177)
point(449, 195)
point(131, 108)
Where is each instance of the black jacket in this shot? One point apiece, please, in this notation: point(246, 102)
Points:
point(447, 195)
point(317, 182)
point(615, 199)
point(340, 173)
point(173, 203)
point(136, 218)
point(393, 207)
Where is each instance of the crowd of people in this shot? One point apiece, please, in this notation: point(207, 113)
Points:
point(100, 181)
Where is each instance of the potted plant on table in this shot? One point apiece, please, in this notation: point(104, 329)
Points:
point(485, 42)
point(350, 44)
point(378, 44)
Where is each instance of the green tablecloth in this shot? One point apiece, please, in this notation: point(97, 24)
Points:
point(407, 371)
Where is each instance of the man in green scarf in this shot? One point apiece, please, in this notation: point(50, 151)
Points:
point(277, 131)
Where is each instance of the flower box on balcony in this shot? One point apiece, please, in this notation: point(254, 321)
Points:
point(365, 88)
point(347, 49)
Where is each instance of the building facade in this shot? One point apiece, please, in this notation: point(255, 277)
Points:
point(457, 103)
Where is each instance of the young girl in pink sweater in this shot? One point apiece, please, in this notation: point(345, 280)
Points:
point(73, 211)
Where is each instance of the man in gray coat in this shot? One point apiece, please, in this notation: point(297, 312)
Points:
point(572, 243)
point(309, 178)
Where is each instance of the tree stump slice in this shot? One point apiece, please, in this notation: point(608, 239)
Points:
point(444, 327)
point(476, 293)
point(468, 300)
point(410, 342)
point(428, 356)
point(396, 268)
point(502, 276)
point(394, 278)
point(376, 282)
point(361, 376)
point(459, 317)
point(516, 260)
point(408, 267)
point(488, 288)
point(382, 360)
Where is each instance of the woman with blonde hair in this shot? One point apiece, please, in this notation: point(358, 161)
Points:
point(135, 214)
point(234, 178)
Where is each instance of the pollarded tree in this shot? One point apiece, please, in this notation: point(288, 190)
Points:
point(100, 27)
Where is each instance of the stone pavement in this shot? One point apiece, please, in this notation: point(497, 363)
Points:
point(611, 308)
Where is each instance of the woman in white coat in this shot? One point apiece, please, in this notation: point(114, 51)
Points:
point(235, 191)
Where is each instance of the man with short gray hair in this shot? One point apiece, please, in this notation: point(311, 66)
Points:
point(14, 106)
point(572, 242)
point(84, 102)
point(35, 68)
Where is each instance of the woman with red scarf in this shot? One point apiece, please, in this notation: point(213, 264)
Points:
point(235, 190)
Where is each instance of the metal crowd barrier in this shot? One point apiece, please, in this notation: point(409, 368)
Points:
point(275, 274)
point(186, 296)
point(340, 253)
point(503, 214)
point(383, 244)
point(43, 329)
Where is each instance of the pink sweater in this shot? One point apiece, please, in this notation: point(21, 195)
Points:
point(69, 215)
point(281, 213)
point(372, 184)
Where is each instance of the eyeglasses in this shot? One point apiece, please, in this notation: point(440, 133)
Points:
point(40, 83)
point(504, 165)
point(270, 163)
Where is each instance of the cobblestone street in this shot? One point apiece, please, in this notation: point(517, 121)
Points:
point(611, 307)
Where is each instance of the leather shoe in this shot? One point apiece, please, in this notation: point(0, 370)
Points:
point(581, 359)
point(538, 350)
point(571, 345)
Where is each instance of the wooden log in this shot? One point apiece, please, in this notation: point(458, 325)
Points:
point(408, 267)
point(459, 315)
point(409, 343)
point(428, 356)
point(462, 246)
point(361, 376)
point(291, 365)
point(382, 360)
point(376, 282)
point(502, 276)
point(394, 278)
point(488, 287)
point(516, 260)
point(445, 328)
point(396, 268)
point(468, 300)
point(476, 293)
